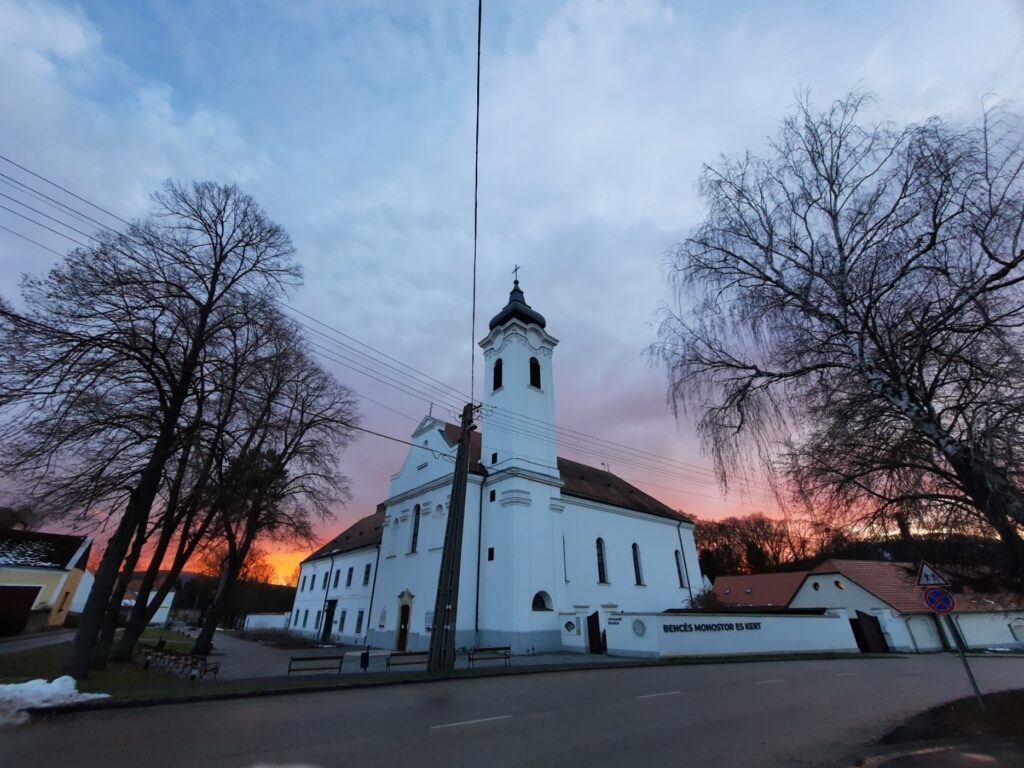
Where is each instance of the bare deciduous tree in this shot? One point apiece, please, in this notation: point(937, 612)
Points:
point(99, 373)
point(857, 292)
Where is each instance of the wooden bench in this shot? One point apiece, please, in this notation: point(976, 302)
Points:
point(179, 662)
point(301, 664)
point(492, 653)
point(201, 666)
point(403, 658)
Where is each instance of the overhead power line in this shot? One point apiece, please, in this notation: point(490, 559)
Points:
point(366, 360)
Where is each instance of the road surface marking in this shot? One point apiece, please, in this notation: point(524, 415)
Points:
point(471, 722)
point(768, 682)
point(653, 695)
point(846, 674)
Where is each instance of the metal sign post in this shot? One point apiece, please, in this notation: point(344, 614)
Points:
point(941, 602)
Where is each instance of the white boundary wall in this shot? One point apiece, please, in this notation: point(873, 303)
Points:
point(266, 621)
point(991, 630)
point(696, 634)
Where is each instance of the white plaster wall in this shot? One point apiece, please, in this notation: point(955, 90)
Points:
point(164, 611)
point(82, 592)
point(727, 633)
point(984, 630)
point(658, 540)
point(256, 621)
point(351, 599)
point(925, 634)
point(402, 571)
point(828, 595)
point(518, 419)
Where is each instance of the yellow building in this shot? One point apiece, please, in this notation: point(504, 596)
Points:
point(39, 574)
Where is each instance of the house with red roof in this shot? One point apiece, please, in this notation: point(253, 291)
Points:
point(889, 592)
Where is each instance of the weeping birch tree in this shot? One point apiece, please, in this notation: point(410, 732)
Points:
point(850, 308)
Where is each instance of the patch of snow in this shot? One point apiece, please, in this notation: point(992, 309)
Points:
point(16, 697)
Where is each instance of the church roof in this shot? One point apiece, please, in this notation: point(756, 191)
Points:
point(518, 309)
point(585, 482)
point(363, 533)
point(581, 481)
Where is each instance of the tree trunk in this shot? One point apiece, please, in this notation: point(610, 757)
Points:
point(96, 605)
point(204, 642)
point(137, 619)
point(106, 637)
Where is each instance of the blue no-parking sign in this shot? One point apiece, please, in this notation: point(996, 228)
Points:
point(939, 600)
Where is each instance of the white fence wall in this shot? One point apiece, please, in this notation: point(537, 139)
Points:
point(659, 635)
point(990, 630)
point(266, 621)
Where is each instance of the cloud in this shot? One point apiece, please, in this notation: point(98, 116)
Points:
point(353, 125)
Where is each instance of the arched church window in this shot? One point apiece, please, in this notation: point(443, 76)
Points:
point(497, 375)
point(602, 572)
point(415, 529)
point(542, 602)
point(534, 372)
point(637, 571)
point(680, 571)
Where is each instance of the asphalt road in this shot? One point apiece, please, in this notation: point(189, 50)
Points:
point(806, 713)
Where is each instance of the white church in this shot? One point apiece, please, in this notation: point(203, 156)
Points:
point(552, 550)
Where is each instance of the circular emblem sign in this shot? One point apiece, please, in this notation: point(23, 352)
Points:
point(639, 628)
point(939, 600)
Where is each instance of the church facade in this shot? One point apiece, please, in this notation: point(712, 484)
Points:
point(552, 549)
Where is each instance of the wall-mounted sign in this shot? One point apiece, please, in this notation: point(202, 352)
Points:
point(639, 628)
point(570, 626)
point(721, 626)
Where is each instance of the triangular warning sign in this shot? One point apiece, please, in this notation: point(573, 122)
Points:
point(929, 577)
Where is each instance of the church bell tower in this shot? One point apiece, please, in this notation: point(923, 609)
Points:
point(519, 391)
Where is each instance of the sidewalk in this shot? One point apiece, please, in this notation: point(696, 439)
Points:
point(244, 659)
point(21, 643)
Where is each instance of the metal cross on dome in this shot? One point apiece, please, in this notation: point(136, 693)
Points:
point(515, 273)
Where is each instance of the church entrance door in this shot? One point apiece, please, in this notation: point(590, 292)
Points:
point(594, 633)
point(402, 638)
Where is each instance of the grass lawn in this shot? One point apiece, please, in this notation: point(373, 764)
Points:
point(173, 639)
point(48, 662)
point(119, 680)
point(1003, 718)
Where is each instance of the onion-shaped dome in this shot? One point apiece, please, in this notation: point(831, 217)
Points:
point(517, 308)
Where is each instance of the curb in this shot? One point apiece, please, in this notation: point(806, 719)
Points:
point(925, 751)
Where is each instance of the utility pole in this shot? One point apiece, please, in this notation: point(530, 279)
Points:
point(442, 637)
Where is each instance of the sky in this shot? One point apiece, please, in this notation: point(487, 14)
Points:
point(352, 124)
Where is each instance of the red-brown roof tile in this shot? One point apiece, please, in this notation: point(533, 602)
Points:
point(759, 590)
point(896, 584)
point(365, 532)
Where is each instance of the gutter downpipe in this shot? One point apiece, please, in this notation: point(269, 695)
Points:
point(479, 544)
point(682, 553)
point(373, 591)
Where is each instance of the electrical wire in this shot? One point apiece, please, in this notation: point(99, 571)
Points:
point(405, 378)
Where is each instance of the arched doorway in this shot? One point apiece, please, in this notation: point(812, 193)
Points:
point(405, 600)
point(402, 638)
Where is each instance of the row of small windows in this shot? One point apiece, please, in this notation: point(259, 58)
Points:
point(341, 620)
point(367, 571)
point(534, 373)
point(638, 574)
